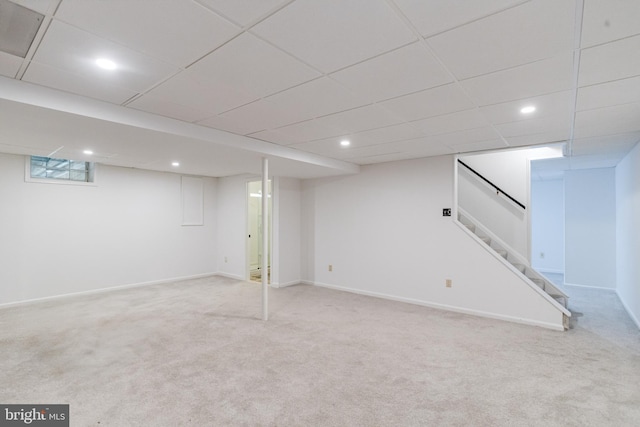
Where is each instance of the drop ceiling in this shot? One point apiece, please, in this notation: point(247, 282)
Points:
point(218, 84)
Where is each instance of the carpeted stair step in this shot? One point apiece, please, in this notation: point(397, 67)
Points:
point(485, 239)
point(503, 253)
point(538, 282)
point(471, 227)
point(521, 267)
point(560, 299)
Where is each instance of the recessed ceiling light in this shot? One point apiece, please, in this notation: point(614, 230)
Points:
point(105, 63)
point(88, 152)
point(175, 164)
point(345, 143)
point(528, 109)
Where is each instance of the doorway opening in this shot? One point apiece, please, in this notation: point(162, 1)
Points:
point(254, 235)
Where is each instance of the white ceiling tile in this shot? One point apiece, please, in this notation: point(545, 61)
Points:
point(527, 33)
point(9, 64)
point(331, 146)
point(179, 32)
point(78, 84)
point(559, 104)
point(317, 98)
point(42, 6)
point(199, 93)
point(465, 137)
point(462, 120)
point(428, 103)
point(360, 119)
point(408, 69)
point(465, 147)
point(309, 130)
point(549, 75)
point(432, 17)
point(333, 34)
point(251, 118)
point(559, 123)
point(538, 138)
point(605, 144)
point(609, 94)
point(164, 106)
point(381, 158)
point(273, 136)
point(392, 133)
point(607, 121)
point(253, 66)
point(421, 147)
point(75, 51)
point(611, 61)
point(243, 12)
point(608, 20)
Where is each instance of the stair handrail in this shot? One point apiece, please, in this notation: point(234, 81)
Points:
point(498, 189)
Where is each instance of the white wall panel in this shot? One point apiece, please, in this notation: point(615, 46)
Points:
point(62, 239)
point(383, 233)
point(628, 232)
point(590, 227)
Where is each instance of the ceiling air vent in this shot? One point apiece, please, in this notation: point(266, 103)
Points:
point(18, 28)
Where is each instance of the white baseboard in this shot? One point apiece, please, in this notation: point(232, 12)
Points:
point(230, 276)
point(628, 310)
point(602, 288)
point(104, 290)
point(284, 285)
point(555, 327)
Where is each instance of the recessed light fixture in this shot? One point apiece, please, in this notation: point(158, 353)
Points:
point(528, 109)
point(106, 64)
point(345, 143)
point(88, 152)
point(175, 164)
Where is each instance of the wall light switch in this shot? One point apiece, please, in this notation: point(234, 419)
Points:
point(330, 267)
point(446, 212)
point(448, 283)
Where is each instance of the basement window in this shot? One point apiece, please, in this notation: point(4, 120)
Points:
point(63, 171)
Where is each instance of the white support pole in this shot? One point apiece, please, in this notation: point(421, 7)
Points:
point(265, 238)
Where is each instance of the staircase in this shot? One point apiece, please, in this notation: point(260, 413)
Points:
point(516, 263)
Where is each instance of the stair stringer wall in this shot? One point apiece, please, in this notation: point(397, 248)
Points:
point(514, 297)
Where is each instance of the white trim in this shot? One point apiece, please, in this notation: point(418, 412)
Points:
point(628, 310)
point(104, 290)
point(284, 285)
point(444, 307)
point(603, 288)
point(231, 276)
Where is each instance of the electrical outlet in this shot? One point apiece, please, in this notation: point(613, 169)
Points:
point(225, 259)
point(330, 267)
point(542, 255)
point(448, 283)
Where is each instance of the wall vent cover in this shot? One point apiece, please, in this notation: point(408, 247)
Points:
point(18, 28)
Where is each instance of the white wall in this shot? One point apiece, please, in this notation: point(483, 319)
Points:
point(547, 225)
point(590, 227)
point(58, 239)
point(509, 170)
point(232, 227)
point(628, 232)
point(287, 230)
point(384, 234)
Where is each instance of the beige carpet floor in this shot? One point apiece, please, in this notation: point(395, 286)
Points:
point(196, 353)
